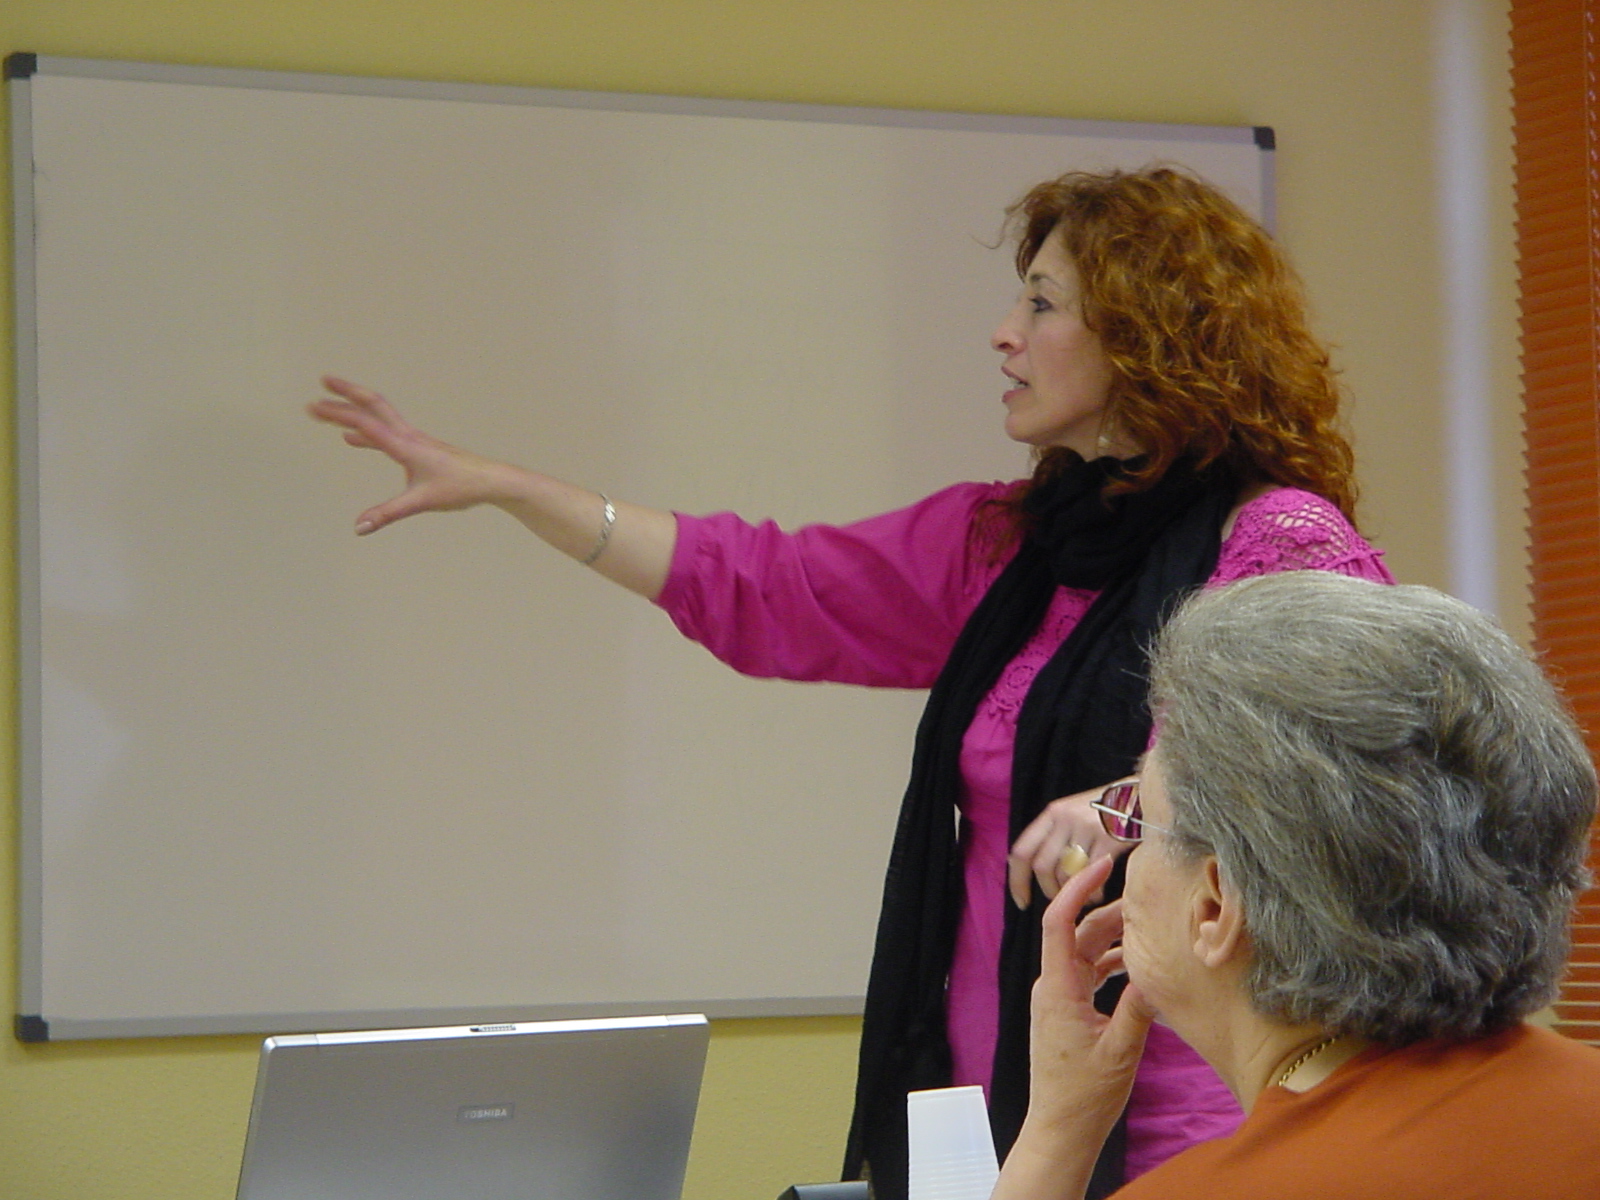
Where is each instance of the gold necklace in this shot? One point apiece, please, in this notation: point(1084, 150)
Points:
point(1307, 1057)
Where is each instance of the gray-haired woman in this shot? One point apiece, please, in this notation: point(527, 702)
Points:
point(1362, 829)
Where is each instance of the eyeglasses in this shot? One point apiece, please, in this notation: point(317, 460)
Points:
point(1118, 807)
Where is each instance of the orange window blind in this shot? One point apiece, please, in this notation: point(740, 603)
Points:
point(1554, 82)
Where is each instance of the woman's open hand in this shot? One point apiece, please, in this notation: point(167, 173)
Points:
point(1057, 844)
point(439, 477)
point(627, 543)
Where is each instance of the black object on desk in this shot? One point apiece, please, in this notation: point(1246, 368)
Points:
point(854, 1189)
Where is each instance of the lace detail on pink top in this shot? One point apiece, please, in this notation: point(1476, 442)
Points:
point(1290, 530)
point(1011, 689)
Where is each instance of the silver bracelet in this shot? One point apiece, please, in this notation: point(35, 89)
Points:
point(606, 522)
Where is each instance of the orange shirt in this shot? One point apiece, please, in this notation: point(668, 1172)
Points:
point(1511, 1117)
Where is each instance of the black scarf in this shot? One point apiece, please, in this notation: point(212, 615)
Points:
point(1084, 722)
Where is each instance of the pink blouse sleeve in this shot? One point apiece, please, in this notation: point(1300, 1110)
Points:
point(1290, 530)
point(878, 602)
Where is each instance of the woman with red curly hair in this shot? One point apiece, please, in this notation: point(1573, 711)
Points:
point(1185, 424)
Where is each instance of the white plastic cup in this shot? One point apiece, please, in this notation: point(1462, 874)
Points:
point(952, 1150)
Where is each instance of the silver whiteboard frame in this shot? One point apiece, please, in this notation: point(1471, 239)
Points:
point(29, 1024)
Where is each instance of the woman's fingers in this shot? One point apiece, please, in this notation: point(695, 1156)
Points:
point(360, 428)
point(1075, 959)
point(1019, 879)
point(1058, 861)
point(1101, 929)
point(1037, 855)
point(376, 432)
point(1055, 846)
point(1064, 951)
point(1051, 860)
point(362, 397)
point(1108, 964)
point(1019, 864)
point(387, 513)
point(439, 477)
point(1122, 1043)
point(365, 413)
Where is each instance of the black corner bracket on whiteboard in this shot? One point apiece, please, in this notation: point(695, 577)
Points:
point(1266, 139)
point(21, 65)
point(32, 1029)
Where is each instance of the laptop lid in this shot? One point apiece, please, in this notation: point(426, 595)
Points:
point(550, 1110)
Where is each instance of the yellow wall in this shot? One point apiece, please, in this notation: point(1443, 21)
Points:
point(1346, 84)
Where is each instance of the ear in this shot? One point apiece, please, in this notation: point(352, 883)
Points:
point(1220, 936)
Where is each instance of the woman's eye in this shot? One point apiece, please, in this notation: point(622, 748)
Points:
point(1039, 304)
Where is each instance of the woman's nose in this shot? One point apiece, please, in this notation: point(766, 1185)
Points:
point(1005, 338)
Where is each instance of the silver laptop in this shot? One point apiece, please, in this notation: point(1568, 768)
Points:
point(549, 1110)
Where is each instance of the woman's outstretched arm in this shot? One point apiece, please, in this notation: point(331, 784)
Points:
point(634, 549)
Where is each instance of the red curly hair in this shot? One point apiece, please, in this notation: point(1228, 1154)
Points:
point(1204, 322)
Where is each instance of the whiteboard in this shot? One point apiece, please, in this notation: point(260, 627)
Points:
point(275, 777)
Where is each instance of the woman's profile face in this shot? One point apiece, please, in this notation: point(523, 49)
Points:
point(1059, 371)
point(1158, 904)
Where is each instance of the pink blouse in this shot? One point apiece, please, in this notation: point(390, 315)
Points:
point(880, 602)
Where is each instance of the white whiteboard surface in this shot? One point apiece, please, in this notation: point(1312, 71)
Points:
point(279, 778)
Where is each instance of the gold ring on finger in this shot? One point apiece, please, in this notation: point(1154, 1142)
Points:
point(1074, 858)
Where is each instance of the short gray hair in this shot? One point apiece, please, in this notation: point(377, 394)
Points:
point(1393, 789)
